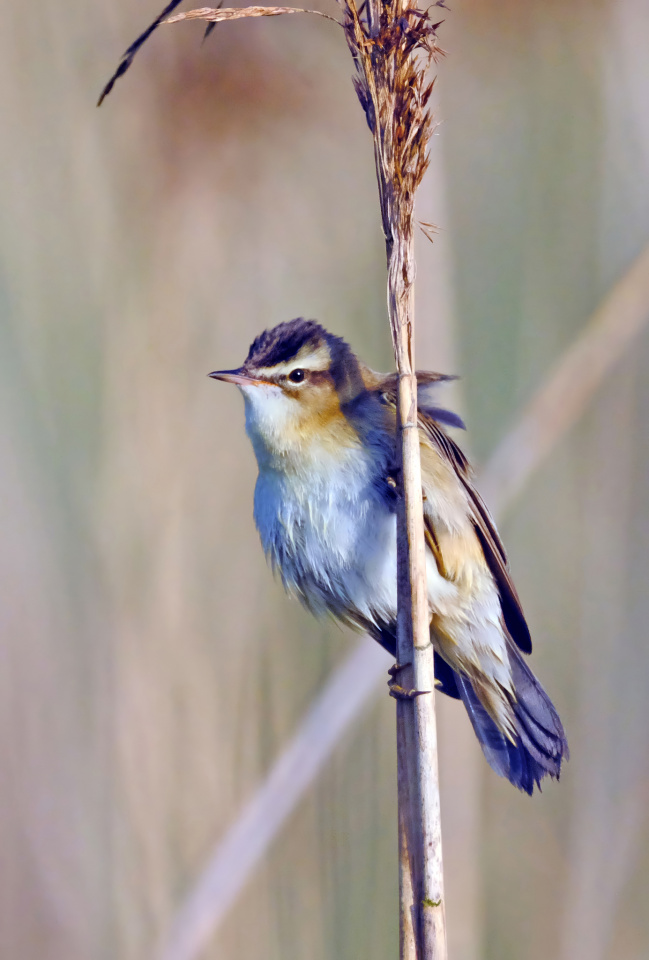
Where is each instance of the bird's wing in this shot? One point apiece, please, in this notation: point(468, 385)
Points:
point(483, 523)
point(386, 384)
point(485, 529)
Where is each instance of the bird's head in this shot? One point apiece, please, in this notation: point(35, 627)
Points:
point(296, 381)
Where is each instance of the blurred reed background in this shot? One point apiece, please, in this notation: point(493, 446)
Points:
point(151, 668)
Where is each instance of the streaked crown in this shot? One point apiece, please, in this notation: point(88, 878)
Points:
point(304, 345)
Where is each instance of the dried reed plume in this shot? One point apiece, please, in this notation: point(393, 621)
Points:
point(392, 46)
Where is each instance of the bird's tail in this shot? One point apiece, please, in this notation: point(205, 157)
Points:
point(540, 744)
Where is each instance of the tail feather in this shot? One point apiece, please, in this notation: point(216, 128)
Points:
point(495, 745)
point(540, 744)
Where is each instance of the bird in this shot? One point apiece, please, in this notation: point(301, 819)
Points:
point(323, 427)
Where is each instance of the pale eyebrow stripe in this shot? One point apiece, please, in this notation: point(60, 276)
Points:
point(317, 361)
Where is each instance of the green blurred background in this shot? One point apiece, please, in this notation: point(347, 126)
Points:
point(151, 667)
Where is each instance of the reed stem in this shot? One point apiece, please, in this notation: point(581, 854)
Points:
point(392, 45)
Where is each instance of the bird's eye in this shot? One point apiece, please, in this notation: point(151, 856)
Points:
point(296, 376)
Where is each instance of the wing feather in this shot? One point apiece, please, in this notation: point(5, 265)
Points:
point(483, 523)
point(485, 528)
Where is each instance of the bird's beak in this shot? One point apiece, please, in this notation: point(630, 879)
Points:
point(235, 376)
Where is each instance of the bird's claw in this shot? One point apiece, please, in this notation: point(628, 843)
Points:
point(397, 668)
point(396, 690)
point(399, 693)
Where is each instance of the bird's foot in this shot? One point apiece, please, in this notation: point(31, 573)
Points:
point(396, 690)
point(399, 693)
point(397, 668)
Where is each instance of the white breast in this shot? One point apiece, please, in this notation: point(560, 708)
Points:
point(331, 535)
point(331, 532)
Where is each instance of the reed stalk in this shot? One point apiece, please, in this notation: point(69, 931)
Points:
point(393, 44)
